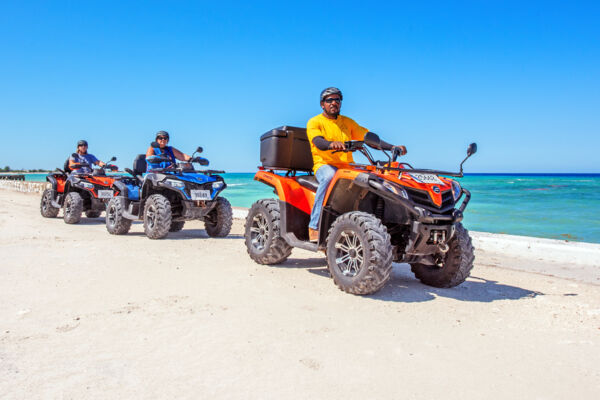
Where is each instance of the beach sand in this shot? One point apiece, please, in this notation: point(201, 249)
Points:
point(88, 315)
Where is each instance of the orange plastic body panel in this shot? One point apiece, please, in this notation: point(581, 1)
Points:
point(405, 179)
point(291, 192)
point(60, 183)
point(102, 181)
point(288, 190)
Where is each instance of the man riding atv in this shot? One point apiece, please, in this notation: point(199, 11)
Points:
point(162, 138)
point(327, 133)
point(367, 216)
point(83, 162)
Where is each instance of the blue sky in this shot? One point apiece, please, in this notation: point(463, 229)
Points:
point(522, 79)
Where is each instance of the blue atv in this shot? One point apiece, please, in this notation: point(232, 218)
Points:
point(164, 198)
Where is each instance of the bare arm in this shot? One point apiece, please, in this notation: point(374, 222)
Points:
point(149, 152)
point(181, 156)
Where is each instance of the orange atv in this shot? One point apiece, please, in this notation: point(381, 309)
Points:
point(372, 215)
point(78, 192)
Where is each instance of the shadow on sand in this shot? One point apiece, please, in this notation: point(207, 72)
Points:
point(187, 234)
point(405, 288)
point(92, 221)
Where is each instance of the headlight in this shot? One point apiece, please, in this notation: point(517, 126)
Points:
point(456, 190)
point(174, 183)
point(87, 185)
point(395, 189)
point(217, 185)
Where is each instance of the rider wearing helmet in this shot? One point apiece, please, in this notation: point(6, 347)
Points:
point(162, 138)
point(83, 157)
point(327, 133)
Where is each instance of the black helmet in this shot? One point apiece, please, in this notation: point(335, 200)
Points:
point(82, 143)
point(162, 133)
point(330, 91)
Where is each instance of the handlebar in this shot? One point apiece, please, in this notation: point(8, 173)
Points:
point(351, 145)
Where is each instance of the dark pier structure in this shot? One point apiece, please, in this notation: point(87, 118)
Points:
point(12, 177)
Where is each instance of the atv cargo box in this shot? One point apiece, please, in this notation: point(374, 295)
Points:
point(286, 147)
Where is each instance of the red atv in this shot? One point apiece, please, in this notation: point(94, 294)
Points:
point(372, 215)
point(78, 192)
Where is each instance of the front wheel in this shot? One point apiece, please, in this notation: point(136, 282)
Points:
point(359, 253)
point(46, 208)
point(219, 220)
point(73, 208)
point(157, 216)
point(116, 223)
point(456, 265)
point(262, 233)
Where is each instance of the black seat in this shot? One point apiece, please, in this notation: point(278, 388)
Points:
point(308, 181)
point(66, 166)
point(139, 164)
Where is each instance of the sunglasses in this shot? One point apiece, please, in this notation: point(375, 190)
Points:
point(82, 145)
point(329, 101)
point(162, 138)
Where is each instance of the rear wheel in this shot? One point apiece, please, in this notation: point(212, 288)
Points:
point(73, 208)
point(262, 233)
point(456, 265)
point(116, 223)
point(46, 208)
point(157, 216)
point(219, 220)
point(359, 253)
point(93, 213)
point(176, 226)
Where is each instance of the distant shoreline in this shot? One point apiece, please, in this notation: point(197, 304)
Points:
point(566, 174)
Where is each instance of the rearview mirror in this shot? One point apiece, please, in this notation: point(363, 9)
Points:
point(372, 140)
point(113, 159)
point(154, 145)
point(74, 155)
point(472, 149)
point(199, 149)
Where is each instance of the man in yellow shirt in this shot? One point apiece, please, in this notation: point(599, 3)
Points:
point(326, 133)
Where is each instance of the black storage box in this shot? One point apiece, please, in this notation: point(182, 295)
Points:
point(286, 147)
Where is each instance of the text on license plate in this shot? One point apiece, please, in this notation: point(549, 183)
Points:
point(200, 194)
point(105, 194)
point(425, 178)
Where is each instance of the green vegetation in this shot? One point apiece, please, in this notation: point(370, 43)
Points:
point(22, 170)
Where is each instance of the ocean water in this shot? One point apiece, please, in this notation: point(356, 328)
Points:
point(554, 206)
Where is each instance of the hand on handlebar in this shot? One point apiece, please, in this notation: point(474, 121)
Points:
point(337, 146)
point(400, 150)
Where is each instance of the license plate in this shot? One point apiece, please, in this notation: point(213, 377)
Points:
point(426, 178)
point(105, 194)
point(200, 194)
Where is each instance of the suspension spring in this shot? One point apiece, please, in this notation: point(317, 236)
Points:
point(379, 208)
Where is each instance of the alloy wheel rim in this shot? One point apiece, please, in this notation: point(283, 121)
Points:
point(259, 231)
point(349, 257)
point(151, 216)
point(110, 215)
point(45, 203)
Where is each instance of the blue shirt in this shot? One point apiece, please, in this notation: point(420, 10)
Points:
point(84, 158)
point(168, 150)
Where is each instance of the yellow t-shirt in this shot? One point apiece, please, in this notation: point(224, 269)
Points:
point(341, 129)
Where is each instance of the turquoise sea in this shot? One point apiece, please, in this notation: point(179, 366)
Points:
point(555, 206)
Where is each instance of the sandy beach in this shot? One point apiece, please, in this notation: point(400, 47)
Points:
point(88, 315)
